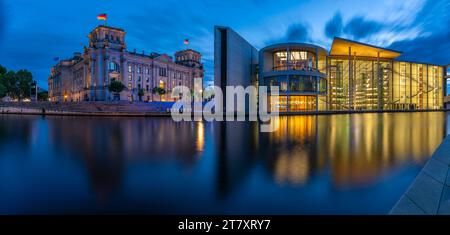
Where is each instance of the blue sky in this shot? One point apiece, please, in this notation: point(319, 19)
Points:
point(33, 32)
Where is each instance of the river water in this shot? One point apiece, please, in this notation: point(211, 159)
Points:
point(326, 164)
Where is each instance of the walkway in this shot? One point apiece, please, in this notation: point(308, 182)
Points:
point(429, 194)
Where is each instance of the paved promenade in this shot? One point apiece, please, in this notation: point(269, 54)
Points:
point(125, 108)
point(429, 194)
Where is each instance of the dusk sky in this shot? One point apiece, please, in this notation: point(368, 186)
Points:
point(33, 33)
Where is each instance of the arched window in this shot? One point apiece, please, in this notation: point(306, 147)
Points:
point(113, 66)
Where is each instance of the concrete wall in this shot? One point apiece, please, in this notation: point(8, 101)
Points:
point(240, 56)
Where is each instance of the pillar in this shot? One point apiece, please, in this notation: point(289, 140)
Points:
point(350, 79)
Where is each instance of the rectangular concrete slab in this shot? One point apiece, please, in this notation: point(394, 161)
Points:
point(443, 152)
point(425, 192)
point(436, 169)
point(406, 207)
point(444, 207)
point(447, 182)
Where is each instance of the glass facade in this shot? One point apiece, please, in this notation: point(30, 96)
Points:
point(295, 103)
point(365, 84)
point(370, 80)
point(298, 60)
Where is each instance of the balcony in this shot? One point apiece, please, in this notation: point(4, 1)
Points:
point(298, 65)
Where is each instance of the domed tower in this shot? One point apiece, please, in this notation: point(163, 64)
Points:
point(189, 58)
point(105, 60)
point(192, 59)
point(109, 37)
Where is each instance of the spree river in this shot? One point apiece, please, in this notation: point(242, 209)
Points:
point(326, 164)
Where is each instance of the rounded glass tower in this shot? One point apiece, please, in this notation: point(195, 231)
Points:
point(299, 70)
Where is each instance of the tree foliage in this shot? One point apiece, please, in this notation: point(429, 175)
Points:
point(17, 85)
point(116, 86)
point(158, 90)
point(2, 90)
point(42, 96)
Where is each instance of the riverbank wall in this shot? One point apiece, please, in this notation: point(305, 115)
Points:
point(124, 108)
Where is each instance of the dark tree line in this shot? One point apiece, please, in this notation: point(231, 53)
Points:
point(16, 85)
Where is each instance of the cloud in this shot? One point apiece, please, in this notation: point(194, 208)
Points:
point(433, 49)
point(334, 26)
point(297, 32)
point(433, 44)
point(359, 27)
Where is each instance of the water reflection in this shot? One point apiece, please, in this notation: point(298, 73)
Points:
point(358, 148)
point(217, 167)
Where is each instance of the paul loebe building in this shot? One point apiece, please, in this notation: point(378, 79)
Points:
point(351, 76)
point(85, 77)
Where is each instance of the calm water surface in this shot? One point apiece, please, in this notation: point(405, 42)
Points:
point(335, 164)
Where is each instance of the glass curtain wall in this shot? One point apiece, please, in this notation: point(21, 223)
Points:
point(280, 60)
point(338, 88)
point(298, 60)
point(435, 92)
point(366, 88)
point(302, 60)
point(365, 85)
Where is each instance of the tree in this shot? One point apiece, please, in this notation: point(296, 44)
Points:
point(24, 79)
point(9, 80)
point(2, 90)
point(116, 87)
point(158, 90)
point(141, 93)
point(2, 86)
point(16, 85)
point(42, 96)
point(2, 70)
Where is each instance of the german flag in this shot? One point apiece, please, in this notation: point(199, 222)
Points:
point(101, 17)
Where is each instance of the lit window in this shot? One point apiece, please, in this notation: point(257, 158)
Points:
point(129, 69)
point(162, 84)
point(113, 66)
point(280, 60)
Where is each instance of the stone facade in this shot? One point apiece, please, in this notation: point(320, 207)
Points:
point(86, 76)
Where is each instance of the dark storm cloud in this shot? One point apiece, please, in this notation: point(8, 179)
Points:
point(334, 26)
point(358, 27)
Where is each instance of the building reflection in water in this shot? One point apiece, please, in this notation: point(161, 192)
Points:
point(357, 149)
point(326, 151)
point(106, 145)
